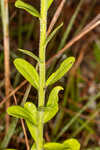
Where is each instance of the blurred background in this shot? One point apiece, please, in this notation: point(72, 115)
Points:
point(79, 103)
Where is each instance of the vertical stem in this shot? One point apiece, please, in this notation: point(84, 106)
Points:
point(43, 24)
point(43, 27)
point(5, 20)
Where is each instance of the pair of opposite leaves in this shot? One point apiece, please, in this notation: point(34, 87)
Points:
point(70, 144)
point(31, 75)
point(30, 9)
point(30, 113)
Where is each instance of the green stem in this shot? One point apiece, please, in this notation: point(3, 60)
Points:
point(41, 93)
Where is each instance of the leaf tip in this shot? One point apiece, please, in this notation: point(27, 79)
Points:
point(15, 61)
point(72, 143)
point(9, 110)
point(72, 59)
point(17, 3)
point(58, 88)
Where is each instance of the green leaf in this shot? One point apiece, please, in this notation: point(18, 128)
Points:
point(53, 97)
point(50, 112)
point(30, 9)
point(71, 144)
point(33, 130)
point(30, 107)
point(20, 112)
point(64, 68)
point(49, 3)
point(53, 33)
point(52, 104)
point(28, 71)
point(30, 54)
point(53, 146)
